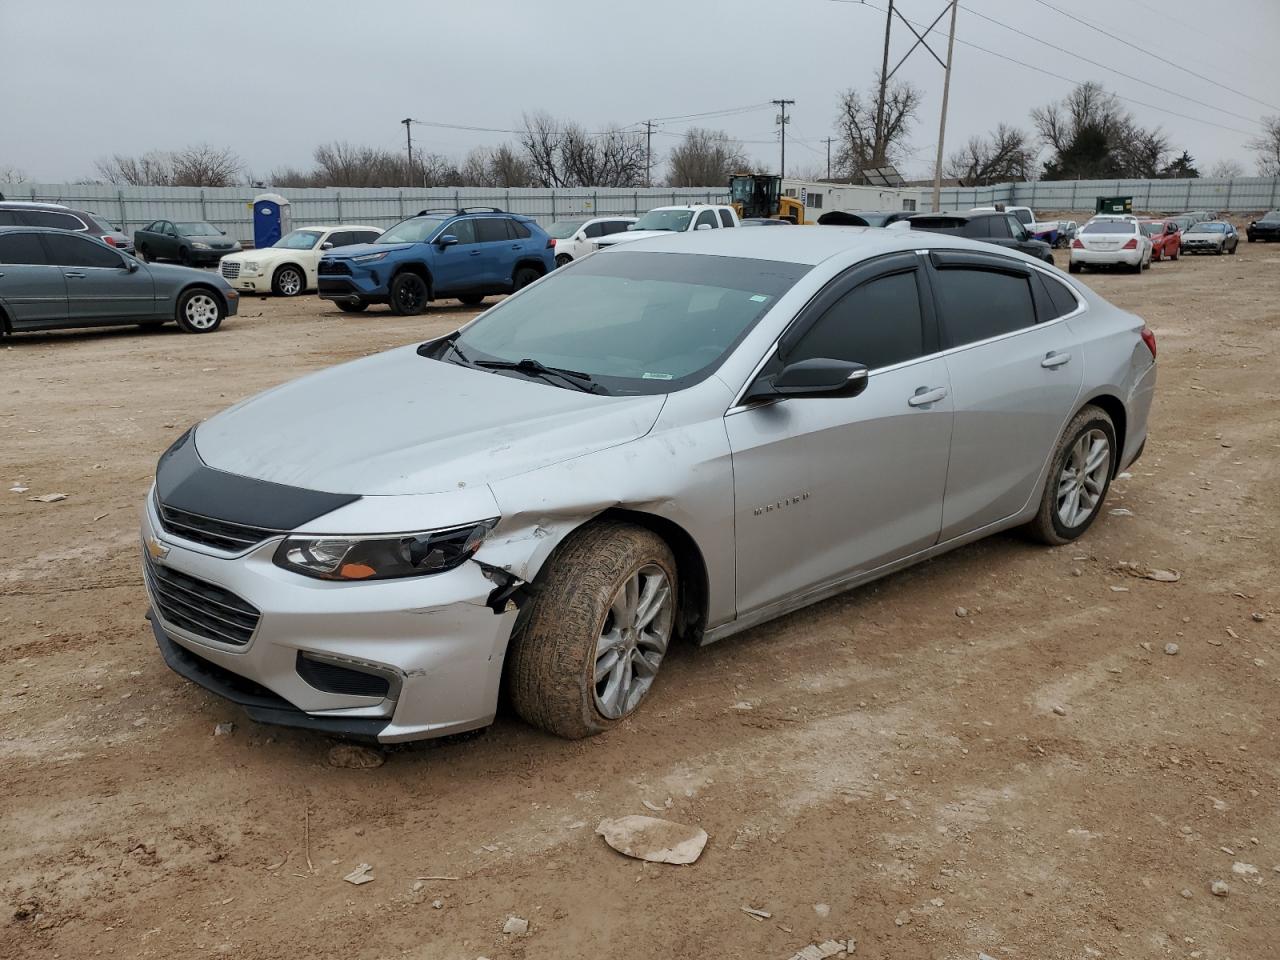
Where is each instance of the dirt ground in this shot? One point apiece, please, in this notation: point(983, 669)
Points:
point(900, 764)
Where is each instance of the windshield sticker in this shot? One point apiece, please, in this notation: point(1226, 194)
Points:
point(656, 376)
point(760, 298)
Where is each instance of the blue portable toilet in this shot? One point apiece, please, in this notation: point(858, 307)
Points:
point(270, 219)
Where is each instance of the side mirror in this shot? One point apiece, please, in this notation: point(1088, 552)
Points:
point(704, 226)
point(448, 240)
point(326, 245)
point(819, 377)
point(631, 226)
point(131, 265)
point(223, 232)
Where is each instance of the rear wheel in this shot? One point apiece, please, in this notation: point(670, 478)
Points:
point(409, 295)
point(601, 622)
point(1232, 251)
point(471, 299)
point(199, 311)
point(1073, 267)
point(1079, 478)
point(352, 306)
point(289, 281)
point(562, 259)
point(523, 277)
point(144, 253)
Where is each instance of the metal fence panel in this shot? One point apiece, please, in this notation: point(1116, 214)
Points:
point(1238, 195)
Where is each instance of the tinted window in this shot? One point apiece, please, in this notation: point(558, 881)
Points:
point(1000, 228)
point(365, 236)
point(48, 218)
point(1016, 229)
point(706, 216)
point(616, 226)
point(1110, 226)
point(726, 218)
point(594, 230)
point(977, 304)
point(9, 218)
point(876, 324)
point(1064, 301)
point(67, 251)
point(464, 230)
point(21, 248)
point(491, 230)
point(153, 227)
point(979, 228)
point(520, 230)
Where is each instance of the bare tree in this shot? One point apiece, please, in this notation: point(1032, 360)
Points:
point(1227, 169)
point(1093, 137)
point(199, 165)
point(1002, 156)
point(862, 146)
point(1267, 146)
point(500, 166)
point(561, 154)
point(706, 158)
point(11, 175)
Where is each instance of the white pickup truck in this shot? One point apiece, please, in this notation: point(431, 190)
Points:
point(1046, 230)
point(678, 219)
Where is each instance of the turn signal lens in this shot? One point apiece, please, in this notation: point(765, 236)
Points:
point(382, 557)
point(1149, 339)
point(1077, 244)
point(1131, 245)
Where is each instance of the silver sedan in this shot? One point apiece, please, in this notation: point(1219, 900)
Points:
point(671, 440)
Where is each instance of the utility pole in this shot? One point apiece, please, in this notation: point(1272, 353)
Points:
point(648, 153)
point(782, 121)
point(942, 125)
point(829, 142)
point(878, 158)
point(408, 143)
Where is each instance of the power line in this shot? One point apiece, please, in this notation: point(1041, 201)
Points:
point(1127, 76)
point(1157, 56)
point(1058, 76)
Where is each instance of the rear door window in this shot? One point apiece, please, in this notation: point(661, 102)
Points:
point(21, 248)
point(68, 251)
point(878, 323)
point(726, 218)
point(365, 236)
point(1000, 229)
point(708, 217)
point(594, 230)
point(491, 230)
point(616, 226)
point(977, 304)
point(979, 228)
point(341, 238)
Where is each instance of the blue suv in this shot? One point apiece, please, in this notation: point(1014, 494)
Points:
point(467, 254)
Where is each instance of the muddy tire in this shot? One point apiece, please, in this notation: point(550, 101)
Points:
point(580, 665)
point(1079, 478)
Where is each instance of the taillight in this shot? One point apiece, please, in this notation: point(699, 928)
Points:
point(551, 243)
point(1077, 245)
point(1149, 339)
point(1131, 245)
point(109, 241)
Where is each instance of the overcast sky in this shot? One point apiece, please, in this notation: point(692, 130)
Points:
point(82, 79)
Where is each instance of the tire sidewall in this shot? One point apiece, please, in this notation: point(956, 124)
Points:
point(181, 312)
point(526, 274)
point(276, 279)
point(1080, 426)
point(401, 281)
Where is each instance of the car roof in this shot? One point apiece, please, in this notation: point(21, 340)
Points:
point(339, 226)
point(809, 246)
point(32, 205)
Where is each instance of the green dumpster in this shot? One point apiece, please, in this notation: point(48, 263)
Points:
point(1114, 205)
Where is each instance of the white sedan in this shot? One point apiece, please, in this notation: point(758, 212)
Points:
point(1111, 241)
point(288, 267)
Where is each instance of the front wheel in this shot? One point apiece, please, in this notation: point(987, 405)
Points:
point(289, 281)
point(184, 256)
point(1232, 251)
point(409, 295)
point(1079, 477)
point(352, 306)
point(523, 277)
point(471, 299)
point(199, 311)
point(602, 618)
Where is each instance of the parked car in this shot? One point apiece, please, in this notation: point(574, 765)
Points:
point(52, 279)
point(287, 268)
point(1111, 240)
point(1000, 228)
point(189, 242)
point(682, 218)
point(465, 254)
point(1266, 227)
point(861, 218)
point(1212, 236)
point(576, 237)
point(1066, 233)
point(764, 222)
point(1166, 238)
point(1046, 230)
point(657, 444)
point(15, 213)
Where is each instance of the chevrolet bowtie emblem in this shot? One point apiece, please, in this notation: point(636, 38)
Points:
point(157, 549)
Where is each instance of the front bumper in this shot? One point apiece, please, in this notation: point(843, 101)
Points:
point(435, 639)
point(1104, 258)
point(365, 285)
point(1201, 246)
point(1254, 233)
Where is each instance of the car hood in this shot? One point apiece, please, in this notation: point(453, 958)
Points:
point(361, 249)
point(628, 235)
point(266, 255)
point(215, 243)
point(178, 275)
point(1204, 236)
point(397, 423)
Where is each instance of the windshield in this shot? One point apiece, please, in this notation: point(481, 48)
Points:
point(1110, 226)
point(414, 230)
point(637, 323)
point(1209, 228)
point(198, 229)
point(1153, 229)
point(298, 240)
point(676, 220)
point(103, 223)
point(1273, 215)
point(563, 229)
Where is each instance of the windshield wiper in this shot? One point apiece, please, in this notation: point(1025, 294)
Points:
point(571, 378)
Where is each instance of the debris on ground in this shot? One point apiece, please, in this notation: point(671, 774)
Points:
point(1219, 888)
point(1258, 617)
point(962, 611)
point(224, 729)
point(353, 756)
point(48, 498)
point(18, 488)
point(516, 925)
point(361, 874)
point(1186, 894)
point(1060, 711)
point(756, 914)
point(658, 841)
point(437, 904)
point(1244, 869)
point(828, 948)
point(1171, 649)
point(1122, 512)
point(1148, 573)
point(821, 909)
point(654, 807)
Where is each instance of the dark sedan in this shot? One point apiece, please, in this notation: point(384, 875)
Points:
point(187, 241)
point(53, 279)
point(998, 227)
point(1266, 227)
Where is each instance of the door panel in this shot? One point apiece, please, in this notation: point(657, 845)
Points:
point(825, 489)
point(32, 291)
point(496, 262)
point(100, 287)
point(454, 266)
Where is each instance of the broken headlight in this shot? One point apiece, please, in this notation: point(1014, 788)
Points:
point(382, 557)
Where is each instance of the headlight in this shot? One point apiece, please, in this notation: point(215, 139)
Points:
point(197, 245)
point(369, 257)
point(382, 557)
point(250, 266)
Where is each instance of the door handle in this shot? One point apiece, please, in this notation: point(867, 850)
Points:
point(1052, 360)
point(924, 396)
point(74, 276)
point(475, 253)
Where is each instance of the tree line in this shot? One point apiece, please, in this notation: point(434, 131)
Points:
point(1087, 135)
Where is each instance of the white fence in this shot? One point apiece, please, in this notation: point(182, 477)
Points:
point(1240, 195)
point(231, 208)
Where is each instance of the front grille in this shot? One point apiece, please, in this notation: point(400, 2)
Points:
point(200, 608)
point(335, 267)
point(222, 534)
point(230, 269)
point(333, 678)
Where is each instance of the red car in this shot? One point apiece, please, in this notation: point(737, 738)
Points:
point(1166, 238)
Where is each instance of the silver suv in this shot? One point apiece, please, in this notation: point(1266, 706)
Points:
point(674, 439)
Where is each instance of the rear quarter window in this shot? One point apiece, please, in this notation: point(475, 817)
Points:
point(1061, 297)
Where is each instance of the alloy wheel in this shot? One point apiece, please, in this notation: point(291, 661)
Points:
point(1083, 478)
point(201, 311)
point(633, 641)
point(290, 282)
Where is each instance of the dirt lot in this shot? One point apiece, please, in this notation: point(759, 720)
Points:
point(901, 764)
